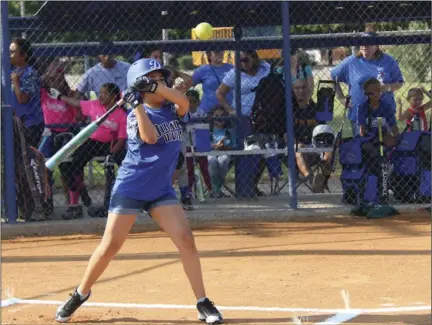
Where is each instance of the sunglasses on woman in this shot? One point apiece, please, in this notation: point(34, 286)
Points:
point(244, 60)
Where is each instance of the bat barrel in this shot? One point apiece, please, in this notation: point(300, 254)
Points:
point(71, 146)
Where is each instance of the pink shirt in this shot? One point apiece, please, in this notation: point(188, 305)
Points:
point(114, 126)
point(56, 111)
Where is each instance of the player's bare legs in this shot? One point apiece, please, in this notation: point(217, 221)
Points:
point(172, 219)
point(116, 231)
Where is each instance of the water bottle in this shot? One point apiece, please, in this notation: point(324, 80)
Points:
point(416, 123)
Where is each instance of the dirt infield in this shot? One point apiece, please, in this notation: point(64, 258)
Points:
point(249, 268)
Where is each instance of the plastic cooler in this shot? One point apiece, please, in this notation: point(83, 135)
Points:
point(200, 134)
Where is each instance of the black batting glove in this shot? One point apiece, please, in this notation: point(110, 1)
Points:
point(132, 97)
point(145, 84)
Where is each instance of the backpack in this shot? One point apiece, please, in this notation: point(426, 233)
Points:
point(31, 174)
point(410, 179)
point(325, 101)
point(268, 114)
point(360, 182)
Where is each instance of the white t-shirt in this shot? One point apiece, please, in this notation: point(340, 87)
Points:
point(94, 78)
point(248, 83)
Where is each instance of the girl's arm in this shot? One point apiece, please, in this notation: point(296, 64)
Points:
point(69, 100)
point(147, 130)
point(403, 115)
point(174, 96)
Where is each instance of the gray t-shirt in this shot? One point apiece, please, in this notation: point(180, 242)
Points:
point(94, 78)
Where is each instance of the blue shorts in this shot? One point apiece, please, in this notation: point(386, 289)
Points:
point(123, 205)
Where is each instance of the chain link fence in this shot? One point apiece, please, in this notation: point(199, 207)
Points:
point(236, 146)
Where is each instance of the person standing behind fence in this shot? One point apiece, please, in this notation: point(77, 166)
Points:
point(109, 70)
point(369, 62)
point(252, 71)
point(210, 76)
point(25, 84)
point(108, 140)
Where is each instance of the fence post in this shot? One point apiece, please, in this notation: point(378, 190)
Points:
point(292, 176)
point(7, 120)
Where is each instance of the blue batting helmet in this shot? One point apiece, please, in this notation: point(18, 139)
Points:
point(142, 67)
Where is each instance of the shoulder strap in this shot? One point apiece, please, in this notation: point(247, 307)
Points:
point(214, 72)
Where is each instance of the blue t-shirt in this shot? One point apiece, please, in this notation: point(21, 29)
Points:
point(31, 112)
point(146, 172)
point(368, 117)
point(206, 75)
point(355, 71)
point(248, 83)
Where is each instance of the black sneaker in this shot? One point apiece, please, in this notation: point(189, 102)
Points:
point(66, 309)
point(85, 197)
point(207, 312)
point(73, 212)
point(97, 212)
point(187, 203)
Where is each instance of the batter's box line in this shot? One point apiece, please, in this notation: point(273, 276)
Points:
point(15, 301)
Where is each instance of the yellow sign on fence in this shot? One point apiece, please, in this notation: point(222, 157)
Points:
point(200, 58)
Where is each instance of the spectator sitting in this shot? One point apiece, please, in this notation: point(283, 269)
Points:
point(56, 112)
point(221, 140)
point(304, 123)
point(210, 76)
point(415, 98)
point(109, 70)
point(194, 102)
point(375, 107)
point(25, 85)
point(108, 140)
point(300, 70)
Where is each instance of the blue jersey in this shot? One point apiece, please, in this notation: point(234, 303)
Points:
point(31, 112)
point(146, 172)
point(368, 117)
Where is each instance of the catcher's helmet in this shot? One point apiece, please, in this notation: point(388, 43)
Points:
point(323, 136)
point(142, 67)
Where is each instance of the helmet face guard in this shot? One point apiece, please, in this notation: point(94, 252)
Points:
point(323, 140)
point(323, 136)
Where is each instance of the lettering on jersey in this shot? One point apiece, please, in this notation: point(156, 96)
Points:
point(112, 125)
point(170, 131)
point(373, 122)
point(56, 107)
